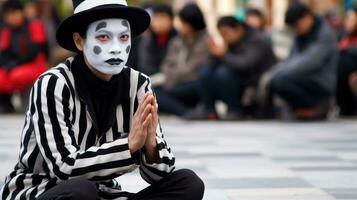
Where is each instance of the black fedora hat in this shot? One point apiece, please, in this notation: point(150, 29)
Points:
point(88, 11)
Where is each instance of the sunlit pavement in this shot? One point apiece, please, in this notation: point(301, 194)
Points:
point(247, 160)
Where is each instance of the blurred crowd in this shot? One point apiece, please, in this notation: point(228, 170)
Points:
point(199, 77)
point(27, 48)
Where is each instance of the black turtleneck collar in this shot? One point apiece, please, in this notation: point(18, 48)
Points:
point(102, 97)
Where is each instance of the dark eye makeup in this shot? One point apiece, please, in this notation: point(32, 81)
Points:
point(102, 38)
point(124, 37)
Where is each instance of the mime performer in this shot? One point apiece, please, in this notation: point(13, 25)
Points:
point(92, 119)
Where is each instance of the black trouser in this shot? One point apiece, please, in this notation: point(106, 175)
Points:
point(180, 185)
point(178, 99)
point(298, 92)
point(346, 100)
point(220, 83)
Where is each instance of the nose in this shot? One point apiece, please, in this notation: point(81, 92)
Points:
point(115, 48)
point(114, 51)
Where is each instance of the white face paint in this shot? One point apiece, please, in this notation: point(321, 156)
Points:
point(107, 45)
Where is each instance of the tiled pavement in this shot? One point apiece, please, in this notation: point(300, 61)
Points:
point(248, 160)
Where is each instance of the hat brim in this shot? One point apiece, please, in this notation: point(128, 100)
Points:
point(138, 18)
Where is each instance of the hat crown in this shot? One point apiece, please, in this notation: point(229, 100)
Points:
point(83, 5)
point(76, 3)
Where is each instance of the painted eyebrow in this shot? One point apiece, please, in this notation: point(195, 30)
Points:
point(127, 30)
point(101, 25)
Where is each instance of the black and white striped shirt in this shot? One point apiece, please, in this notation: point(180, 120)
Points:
point(59, 141)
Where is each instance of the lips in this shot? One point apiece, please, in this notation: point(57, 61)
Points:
point(114, 61)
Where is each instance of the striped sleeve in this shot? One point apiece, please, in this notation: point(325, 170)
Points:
point(154, 172)
point(55, 137)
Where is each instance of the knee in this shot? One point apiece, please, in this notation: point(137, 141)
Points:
point(205, 73)
point(225, 75)
point(83, 189)
point(192, 184)
point(277, 83)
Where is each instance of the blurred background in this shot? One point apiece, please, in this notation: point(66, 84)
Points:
point(240, 68)
point(158, 51)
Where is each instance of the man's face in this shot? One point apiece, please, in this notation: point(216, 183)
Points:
point(107, 45)
point(254, 21)
point(14, 18)
point(231, 35)
point(350, 22)
point(161, 23)
point(303, 26)
point(185, 30)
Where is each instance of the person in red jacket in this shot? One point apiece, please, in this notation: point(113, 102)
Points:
point(22, 53)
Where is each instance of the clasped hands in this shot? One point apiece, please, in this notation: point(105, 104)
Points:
point(143, 129)
point(217, 50)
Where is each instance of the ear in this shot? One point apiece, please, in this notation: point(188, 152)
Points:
point(78, 40)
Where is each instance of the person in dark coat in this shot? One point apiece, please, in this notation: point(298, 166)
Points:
point(186, 54)
point(255, 18)
point(239, 62)
point(307, 79)
point(347, 65)
point(154, 45)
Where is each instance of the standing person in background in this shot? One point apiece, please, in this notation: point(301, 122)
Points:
point(22, 54)
point(347, 66)
point(153, 46)
point(233, 66)
point(187, 53)
point(307, 79)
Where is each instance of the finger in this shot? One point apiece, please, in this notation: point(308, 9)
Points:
point(146, 112)
point(155, 119)
point(142, 104)
point(147, 97)
point(151, 99)
point(148, 100)
point(153, 111)
point(147, 121)
point(155, 105)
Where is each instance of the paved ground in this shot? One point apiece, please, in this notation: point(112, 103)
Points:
point(248, 160)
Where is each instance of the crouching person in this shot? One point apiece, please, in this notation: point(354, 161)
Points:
point(307, 79)
point(92, 119)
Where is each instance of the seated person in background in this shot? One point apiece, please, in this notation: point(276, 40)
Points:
point(237, 63)
point(153, 46)
point(307, 79)
point(187, 53)
point(30, 9)
point(22, 53)
point(347, 66)
point(256, 20)
point(51, 19)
